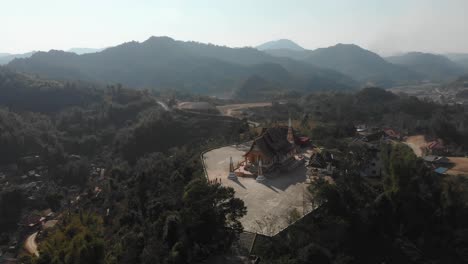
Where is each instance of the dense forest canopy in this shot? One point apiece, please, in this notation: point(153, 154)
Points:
point(156, 205)
point(154, 177)
point(25, 93)
point(75, 117)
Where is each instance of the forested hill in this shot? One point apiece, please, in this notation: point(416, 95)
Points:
point(433, 67)
point(280, 44)
point(459, 58)
point(26, 93)
point(6, 58)
point(39, 115)
point(161, 62)
point(361, 64)
point(161, 208)
point(354, 61)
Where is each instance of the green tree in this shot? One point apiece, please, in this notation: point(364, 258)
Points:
point(211, 216)
point(78, 240)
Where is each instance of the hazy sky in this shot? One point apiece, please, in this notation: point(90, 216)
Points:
point(383, 26)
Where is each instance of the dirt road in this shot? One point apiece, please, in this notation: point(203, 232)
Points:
point(416, 143)
point(163, 105)
point(30, 245)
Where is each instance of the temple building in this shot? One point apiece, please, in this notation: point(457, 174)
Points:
point(274, 149)
point(272, 146)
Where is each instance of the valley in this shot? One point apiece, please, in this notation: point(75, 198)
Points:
point(142, 132)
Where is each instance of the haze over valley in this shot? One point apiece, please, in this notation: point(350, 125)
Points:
point(282, 65)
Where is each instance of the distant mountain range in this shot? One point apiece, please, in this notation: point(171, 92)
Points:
point(368, 67)
point(459, 58)
point(164, 63)
point(6, 57)
point(431, 66)
point(456, 56)
point(354, 61)
point(362, 65)
point(464, 64)
point(81, 51)
point(282, 65)
point(280, 44)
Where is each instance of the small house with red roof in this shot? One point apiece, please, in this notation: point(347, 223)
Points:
point(436, 147)
point(391, 133)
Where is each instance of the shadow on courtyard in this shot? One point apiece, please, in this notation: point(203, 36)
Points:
point(282, 181)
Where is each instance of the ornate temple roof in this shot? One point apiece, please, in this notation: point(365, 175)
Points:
point(273, 141)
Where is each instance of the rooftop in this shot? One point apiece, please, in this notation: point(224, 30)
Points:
point(272, 141)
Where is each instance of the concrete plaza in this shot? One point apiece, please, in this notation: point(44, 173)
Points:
point(269, 204)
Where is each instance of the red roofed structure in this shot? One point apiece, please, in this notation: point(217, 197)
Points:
point(272, 146)
point(392, 133)
point(303, 141)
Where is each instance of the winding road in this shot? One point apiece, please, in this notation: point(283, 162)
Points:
point(30, 245)
point(163, 105)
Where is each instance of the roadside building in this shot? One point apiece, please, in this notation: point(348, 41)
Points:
point(303, 141)
point(392, 134)
point(432, 159)
point(441, 170)
point(436, 147)
point(375, 164)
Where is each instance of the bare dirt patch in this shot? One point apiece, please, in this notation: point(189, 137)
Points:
point(417, 144)
point(460, 166)
point(234, 110)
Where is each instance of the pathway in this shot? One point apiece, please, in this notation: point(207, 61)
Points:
point(30, 245)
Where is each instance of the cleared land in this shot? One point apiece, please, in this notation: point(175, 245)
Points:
point(269, 204)
point(235, 109)
point(416, 143)
point(203, 106)
point(460, 166)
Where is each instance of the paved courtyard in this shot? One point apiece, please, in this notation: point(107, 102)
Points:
point(269, 204)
